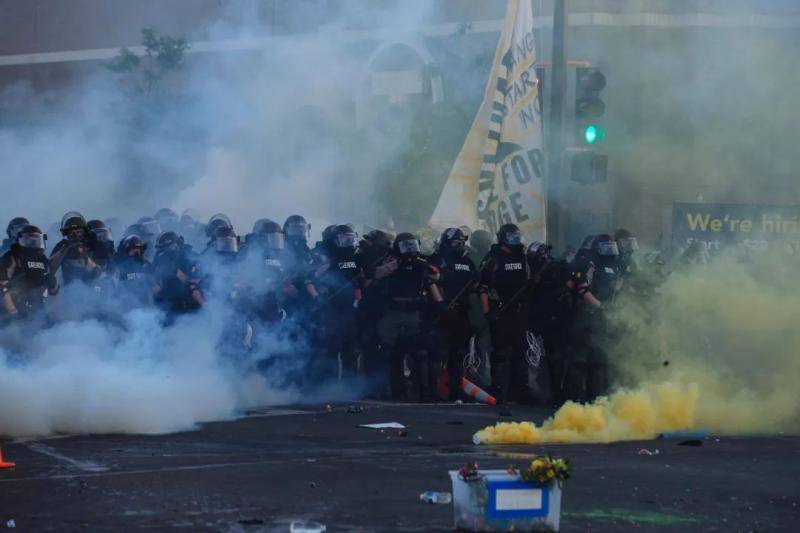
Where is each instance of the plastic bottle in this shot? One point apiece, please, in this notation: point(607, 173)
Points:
point(436, 497)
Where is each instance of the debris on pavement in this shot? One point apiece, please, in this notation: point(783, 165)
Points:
point(11, 524)
point(299, 526)
point(355, 409)
point(442, 498)
point(383, 425)
point(645, 451)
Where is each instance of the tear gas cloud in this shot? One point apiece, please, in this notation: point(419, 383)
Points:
point(268, 133)
point(718, 349)
point(256, 135)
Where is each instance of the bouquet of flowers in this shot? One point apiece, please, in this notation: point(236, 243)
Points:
point(543, 470)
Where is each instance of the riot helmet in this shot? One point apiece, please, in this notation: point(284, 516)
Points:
point(132, 246)
point(510, 235)
point(453, 240)
point(407, 245)
point(379, 239)
point(14, 227)
point(225, 240)
point(100, 230)
point(344, 237)
point(258, 226)
point(626, 242)
point(149, 227)
point(220, 220)
point(73, 226)
point(296, 228)
point(169, 242)
point(31, 236)
point(605, 246)
point(273, 236)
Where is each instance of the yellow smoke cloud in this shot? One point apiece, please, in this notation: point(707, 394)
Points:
point(730, 337)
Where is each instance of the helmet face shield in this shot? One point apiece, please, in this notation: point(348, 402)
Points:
point(102, 234)
point(409, 247)
point(512, 238)
point(226, 244)
point(628, 244)
point(607, 248)
point(346, 240)
point(297, 230)
point(274, 241)
point(31, 240)
point(150, 227)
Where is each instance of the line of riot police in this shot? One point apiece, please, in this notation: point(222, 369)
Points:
point(375, 310)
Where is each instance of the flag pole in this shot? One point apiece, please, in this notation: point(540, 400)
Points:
point(553, 206)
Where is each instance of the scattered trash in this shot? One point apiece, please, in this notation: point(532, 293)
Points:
point(355, 409)
point(402, 433)
point(251, 522)
point(3, 463)
point(644, 451)
point(328, 408)
point(430, 496)
point(299, 526)
point(685, 435)
point(11, 524)
point(691, 442)
point(383, 425)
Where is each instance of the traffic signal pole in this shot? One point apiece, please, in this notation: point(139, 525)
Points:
point(555, 133)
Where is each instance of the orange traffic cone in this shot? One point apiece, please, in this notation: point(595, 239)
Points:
point(476, 392)
point(4, 464)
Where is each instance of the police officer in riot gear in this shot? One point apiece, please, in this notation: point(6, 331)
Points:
point(102, 234)
point(176, 277)
point(595, 280)
point(299, 261)
point(25, 274)
point(12, 230)
point(220, 220)
point(375, 250)
point(505, 276)
point(79, 256)
point(133, 273)
point(338, 283)
point(459, 277)
point(404, 329)
point(264, 270)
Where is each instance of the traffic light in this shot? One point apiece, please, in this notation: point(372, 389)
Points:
point(587, 167)
point(589, 107)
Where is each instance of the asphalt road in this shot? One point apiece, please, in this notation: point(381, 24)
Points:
point(262, 471)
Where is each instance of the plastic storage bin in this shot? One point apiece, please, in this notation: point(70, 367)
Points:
point(499, 501)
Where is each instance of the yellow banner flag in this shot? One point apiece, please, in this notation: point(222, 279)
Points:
point(497, 177)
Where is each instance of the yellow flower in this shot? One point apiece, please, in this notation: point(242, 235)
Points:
point(551, 473)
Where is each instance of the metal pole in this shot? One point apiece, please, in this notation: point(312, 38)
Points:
point(558, 92)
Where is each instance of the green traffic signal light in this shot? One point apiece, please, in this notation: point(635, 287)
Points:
point(593, 133)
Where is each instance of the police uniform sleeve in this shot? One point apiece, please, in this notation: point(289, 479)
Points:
point(7, 266)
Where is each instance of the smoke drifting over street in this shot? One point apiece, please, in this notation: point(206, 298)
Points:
point(269, 133)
